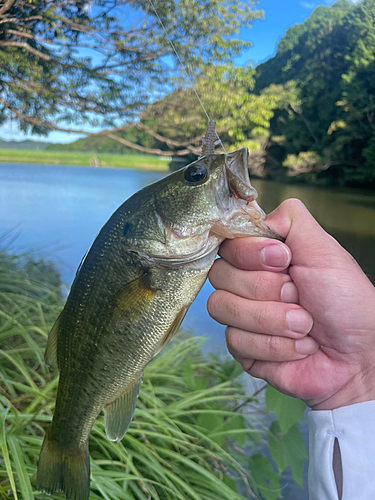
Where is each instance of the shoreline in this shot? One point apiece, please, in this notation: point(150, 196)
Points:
point(145, 163)
point(76, 159)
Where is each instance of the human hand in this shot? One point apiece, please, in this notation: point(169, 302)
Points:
point(310, 331)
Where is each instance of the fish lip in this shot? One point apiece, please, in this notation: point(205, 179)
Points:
point(238, 179)
point(236, 166)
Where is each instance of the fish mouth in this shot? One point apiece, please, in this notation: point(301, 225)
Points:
point(237, 174)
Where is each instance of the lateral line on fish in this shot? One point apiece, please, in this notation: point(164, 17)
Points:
point(184, 69)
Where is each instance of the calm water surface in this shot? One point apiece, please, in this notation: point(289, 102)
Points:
point(58, 211)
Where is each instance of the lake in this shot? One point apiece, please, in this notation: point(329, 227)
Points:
point(57, 211)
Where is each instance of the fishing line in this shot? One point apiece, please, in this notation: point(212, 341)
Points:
point(183, 68)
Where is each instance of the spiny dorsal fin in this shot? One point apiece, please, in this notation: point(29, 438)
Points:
point(50, 355)
point(119, 414)
point(209, 139)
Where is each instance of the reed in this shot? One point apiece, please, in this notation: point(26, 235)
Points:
point(188, 434)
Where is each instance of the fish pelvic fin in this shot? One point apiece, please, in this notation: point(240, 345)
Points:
point(119, 414)
point(64, 470)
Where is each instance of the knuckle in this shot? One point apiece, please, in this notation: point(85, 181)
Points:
point(293, 205)
point(273, 346)
point(261, 318)
point(233, 308)
point(230, 337)
point(235, 341)
point(240, 253)
point(214, 303)
point(258, 286)
point(213, 274)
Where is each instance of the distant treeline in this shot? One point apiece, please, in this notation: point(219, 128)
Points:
point(308, 113)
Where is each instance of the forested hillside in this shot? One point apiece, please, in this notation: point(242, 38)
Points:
point(330, 136)
point(307, 114)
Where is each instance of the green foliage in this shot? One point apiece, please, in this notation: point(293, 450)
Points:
point(304, 162)
point(177, 122)
point(190, 427)
point(289, 410)
point(242, 118)
point(100, 63)
point(285, 440)
point(265, 477)
point(331, 59)
point(288, 450)
point(307, 113)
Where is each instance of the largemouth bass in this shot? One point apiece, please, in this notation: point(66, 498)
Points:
point(129, 297)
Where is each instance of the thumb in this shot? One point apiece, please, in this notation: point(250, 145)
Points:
point(311, 246)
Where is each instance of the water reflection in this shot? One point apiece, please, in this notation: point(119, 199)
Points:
point(59, 210)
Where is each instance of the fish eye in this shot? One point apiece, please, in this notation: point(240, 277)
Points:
point(195, 174)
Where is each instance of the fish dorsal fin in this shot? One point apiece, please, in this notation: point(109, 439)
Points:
point(50, 354)
point(119, 414)
point(172, 329)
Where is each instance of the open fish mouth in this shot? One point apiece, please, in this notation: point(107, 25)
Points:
point(236, 169)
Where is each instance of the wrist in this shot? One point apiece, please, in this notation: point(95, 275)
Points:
point(359, 389)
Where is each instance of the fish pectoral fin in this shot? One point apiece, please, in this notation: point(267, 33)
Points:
point(132, 298)
point(50, 354)
point(172, 329)
point(119, 414)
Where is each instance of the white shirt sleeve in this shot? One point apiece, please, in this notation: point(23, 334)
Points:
point(354, 428)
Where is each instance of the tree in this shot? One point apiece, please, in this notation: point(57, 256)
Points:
point(242, 117)
point(177, 122)
point(178, 119)
point(75, 66)
point(329, 137)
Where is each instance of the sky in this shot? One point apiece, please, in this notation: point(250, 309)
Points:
point(279, 15)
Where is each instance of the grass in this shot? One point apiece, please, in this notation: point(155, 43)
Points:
point(85, 159)
point(186, 440)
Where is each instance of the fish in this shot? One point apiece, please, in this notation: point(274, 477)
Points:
point(129, 297)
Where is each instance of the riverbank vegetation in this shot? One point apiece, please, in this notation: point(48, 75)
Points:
point(94, 159)
point(195, 434)
point(307, 114)
point(93, 68)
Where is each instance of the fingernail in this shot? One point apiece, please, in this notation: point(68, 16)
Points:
point(289, 293)
point(299, 321)
point(307, 345)
point(275, 256)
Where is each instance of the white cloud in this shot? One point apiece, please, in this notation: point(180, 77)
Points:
point(307, 5)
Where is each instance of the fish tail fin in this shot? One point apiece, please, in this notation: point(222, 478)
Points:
point(64, 470)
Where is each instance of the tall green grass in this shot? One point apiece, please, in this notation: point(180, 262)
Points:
point(188, 435)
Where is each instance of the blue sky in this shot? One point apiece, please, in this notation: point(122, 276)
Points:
point(279, 15)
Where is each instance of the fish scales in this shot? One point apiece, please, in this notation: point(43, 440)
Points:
point(130, 294)
point(106, 350)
